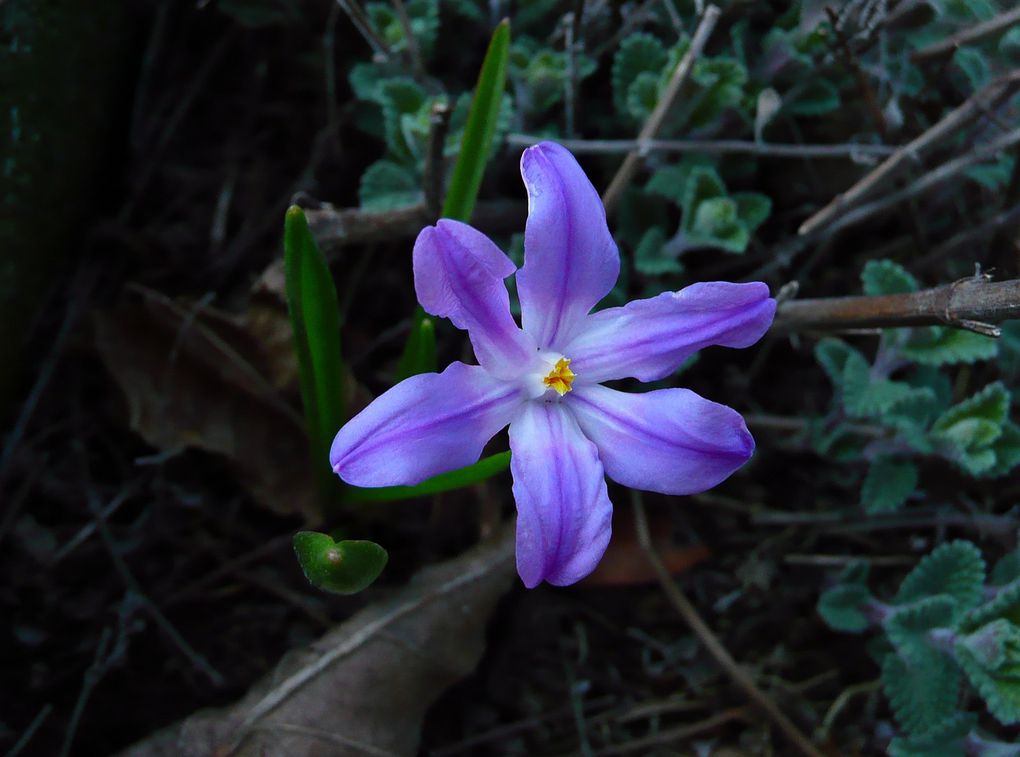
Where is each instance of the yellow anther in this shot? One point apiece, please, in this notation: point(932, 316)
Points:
point(560, 377)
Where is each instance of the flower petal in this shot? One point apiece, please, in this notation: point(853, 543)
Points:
point(649, 339)
point(564, 516)
point(425, 425)
point(458, 274)
point(670, 441)
point(571, 261)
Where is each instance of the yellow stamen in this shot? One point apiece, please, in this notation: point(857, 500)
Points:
point(560, 377)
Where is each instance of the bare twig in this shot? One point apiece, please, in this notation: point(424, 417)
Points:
point(950, 44)
point(571, 41)
point(439, 122)
point(676, 734)
point(654, 121)
point(711, 642)
point(854, 65)
point(718, 146)
point(413, 52)
point(928, 181)
point(362, 23)
point(34, 726)
point(973, 303)
point(335, 228)
point(986, 228)
point(978, 103)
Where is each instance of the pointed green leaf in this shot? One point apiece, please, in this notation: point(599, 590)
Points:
point(481, 127)
point(419, 354)
point(455, 479)
point(315, 321)
point(344, 567)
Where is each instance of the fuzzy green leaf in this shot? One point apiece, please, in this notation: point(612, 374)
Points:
point(888, 484)
point(1006, 450)
point(816, 98)
point(344, 567)
point(909, 628)
point(955, 568)
point(941, 345)
point(638, 53)
point(642, 96)
point(990, 657)
point(1007, 569)
point(945, 739)
point(967, 430)
point(650, 256)
point(843, 607)
point(386, 185)
point(922, 692)
point(887, 277)
point(703, 183)
point(752, 209)
point(1004, 604)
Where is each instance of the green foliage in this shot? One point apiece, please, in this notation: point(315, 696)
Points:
point(945, 626)
point(652, 258)
point(923, 691)
point(888, 484)
point(423, 16)
point(955, 569)
point(419, 354)
point(843, 607)
point(711, 218)
point(638, 54)
point(480, 128)
point(315, 322)
point(968, 432)
point(340, 567)
point(386, 185)
point(881, 277)
point(543, 73)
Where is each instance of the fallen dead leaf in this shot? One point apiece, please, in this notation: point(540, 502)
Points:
point(364, 687)
point(625, 562)
point(192, 377)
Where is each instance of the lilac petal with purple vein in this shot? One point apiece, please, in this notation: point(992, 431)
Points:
point(564, 517)
point(649, 339)
point(570, 259)
point(670, 441)
point(425, 425)
point(458, 274)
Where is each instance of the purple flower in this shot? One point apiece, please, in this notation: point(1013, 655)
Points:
point(567, 432)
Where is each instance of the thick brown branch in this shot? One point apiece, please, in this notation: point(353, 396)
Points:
point(972, 303)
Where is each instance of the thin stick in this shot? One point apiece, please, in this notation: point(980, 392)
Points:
point(439, 123)
point(715, 647)
point(928, 181)
point(26, 737)
point(950, 44)
point(716, 146)
point(413, 52)
point(981, 101)
point(654, 122)
point(972, 303)
point(364, 26)
point(854, 65)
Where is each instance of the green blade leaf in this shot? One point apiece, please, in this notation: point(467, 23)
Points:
point(315, 320)
point(419, 354)
point(444, 482)
point(341, 567)
point(480, 129)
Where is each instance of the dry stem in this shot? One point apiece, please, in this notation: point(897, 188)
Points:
point(654, 122)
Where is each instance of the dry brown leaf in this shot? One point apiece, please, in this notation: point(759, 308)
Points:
point(625, 562)
point(363, 688)
point(195, 378)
